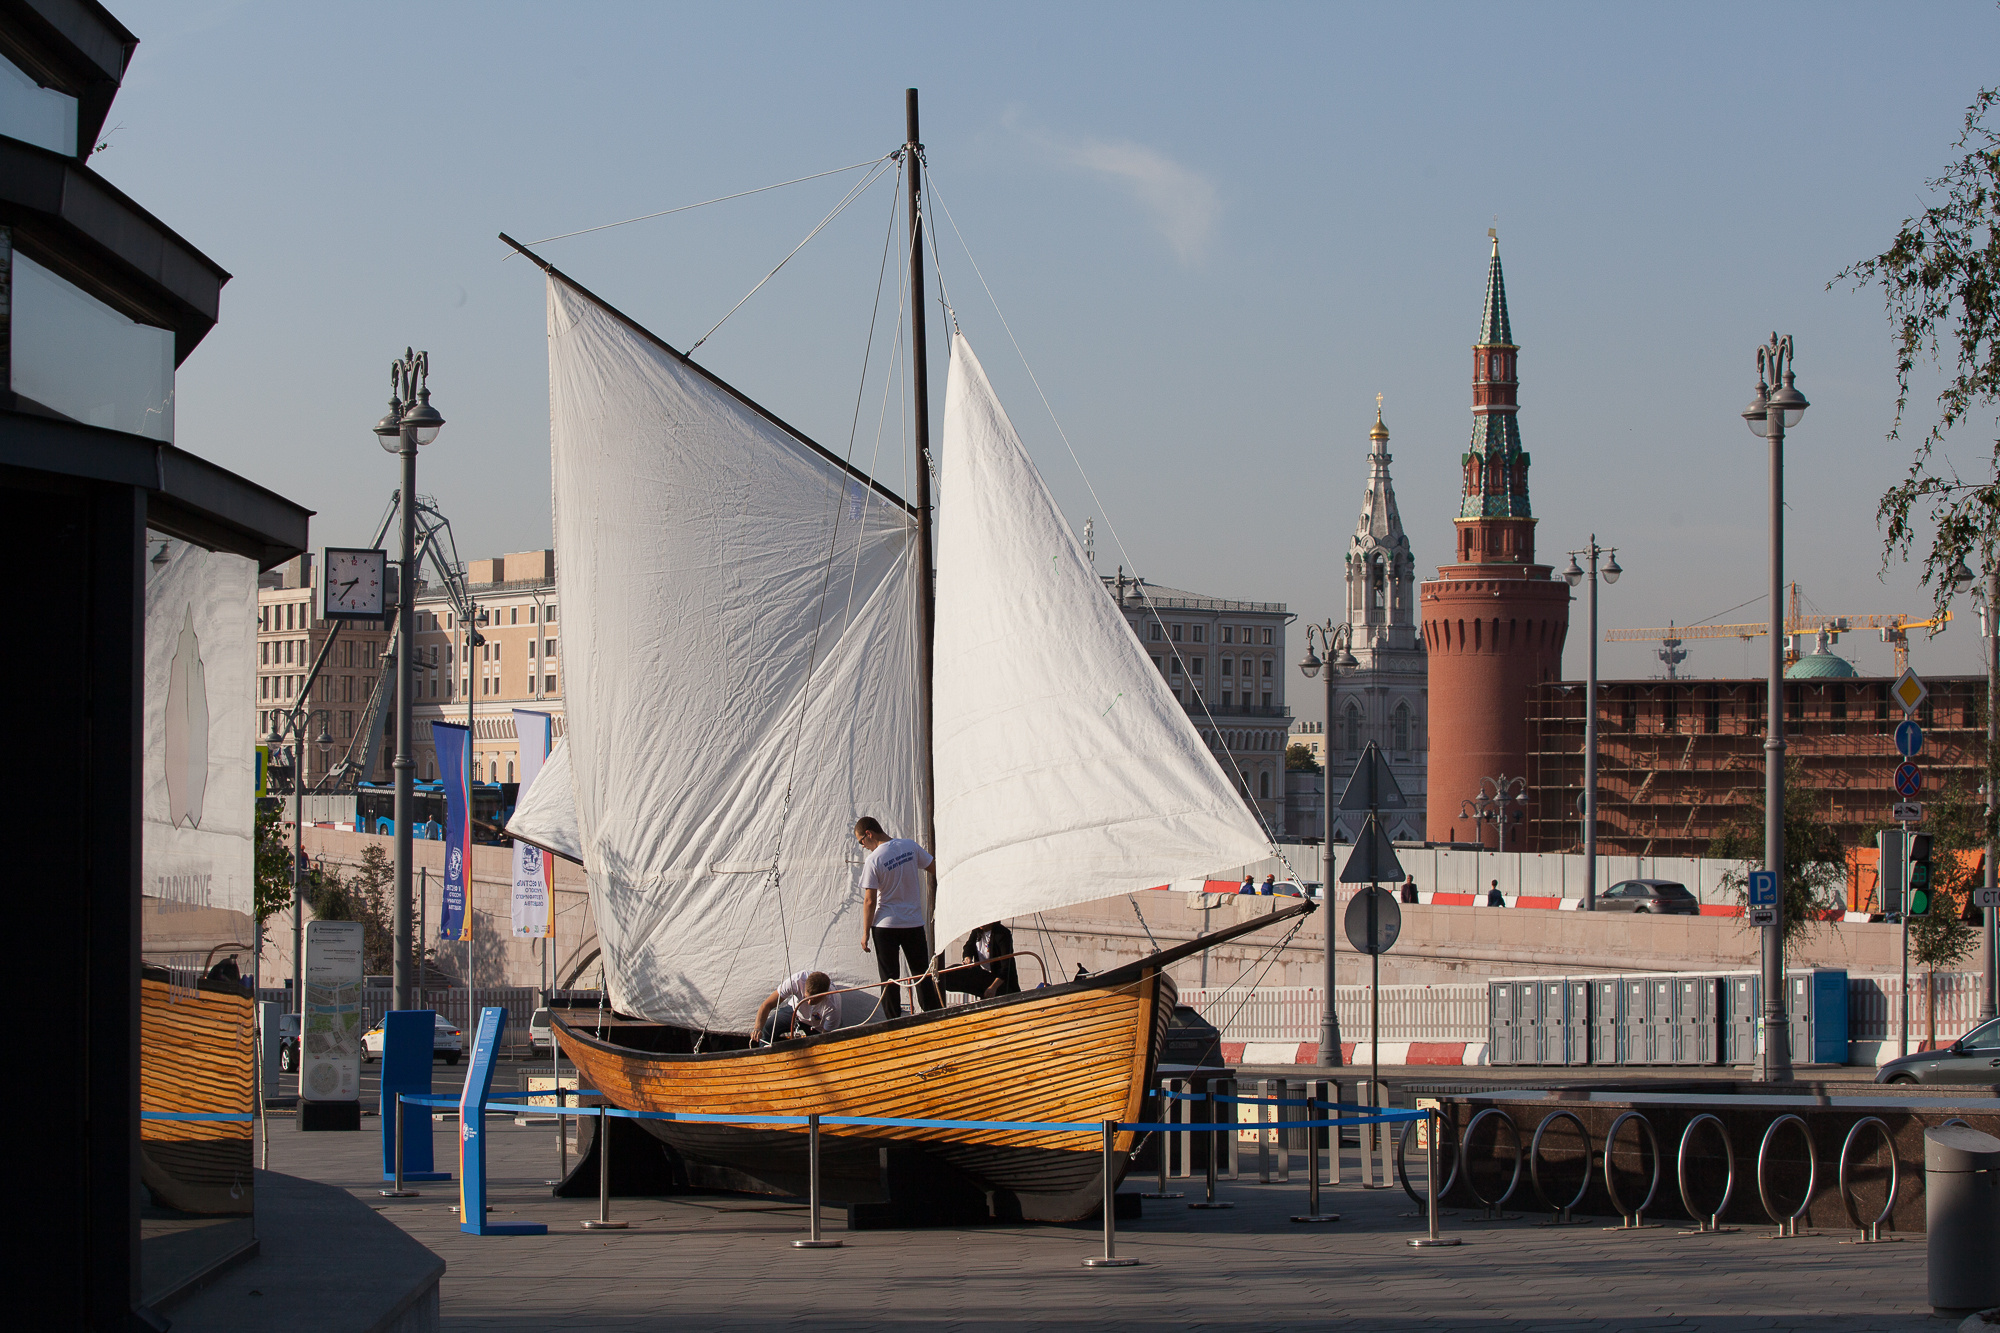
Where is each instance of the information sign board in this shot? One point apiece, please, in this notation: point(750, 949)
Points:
point(330, 1026)
point(1763, 888)
point(1763, 916)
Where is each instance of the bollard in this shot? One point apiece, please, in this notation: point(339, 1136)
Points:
point(401, 1130)
point(562, 1135)
point(813, 1240)
point(1167, 1115)
point(1431, 1188)
point(1216, 1137)
point(604, 1222)
point(1109, 1259)
point(1312, 1213)
point(1962, 1216)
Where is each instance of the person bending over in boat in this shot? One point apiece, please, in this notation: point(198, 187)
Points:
point(980, 975)
point(806, 1007)
point(892, 912)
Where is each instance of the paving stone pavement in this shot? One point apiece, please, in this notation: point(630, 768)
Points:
point(727, 1263)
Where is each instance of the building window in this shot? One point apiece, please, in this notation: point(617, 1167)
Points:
point(1795, 704)
point(1267, 698)
point(1264, 786)
point(1353, 728)
point(1711, 711)
point(1177, 633)
point(1228, 666)
point(548, 647)
point(1249, 670)
point(531, 615)
point(1201, 633)
point(1159, 665)
point(1401, 728)
point(1378, 584)
point(1175, 663)
point(510, 778)
point(1228, 634)
point(1194, 666)
point(1267, 638)
point(513, 615)
point(549, 683)
point(74, 355)
point(1670, 709)
point(1628, 711)
point(550, 614)
point(1837, 711)
point(1228, 697)
point(1153, 632)
point(1267, 668)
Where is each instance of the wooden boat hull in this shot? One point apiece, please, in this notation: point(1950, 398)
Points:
point(1078, 1053)
point(195, 1056)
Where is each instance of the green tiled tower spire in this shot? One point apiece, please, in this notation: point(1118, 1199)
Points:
point(1496, 467)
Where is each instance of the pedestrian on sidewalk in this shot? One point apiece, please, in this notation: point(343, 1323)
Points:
point(1493, 896)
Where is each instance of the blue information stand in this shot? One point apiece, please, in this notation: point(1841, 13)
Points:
point(407, 1039)
point(472, 1136)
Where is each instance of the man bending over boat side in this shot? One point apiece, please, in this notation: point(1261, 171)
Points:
point(988, 968)
point(892, 912)
point(806, 1007)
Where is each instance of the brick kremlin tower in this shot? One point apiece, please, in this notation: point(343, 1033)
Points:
point(1494, 621)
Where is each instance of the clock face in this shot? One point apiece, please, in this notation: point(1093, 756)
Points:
point(354, 584)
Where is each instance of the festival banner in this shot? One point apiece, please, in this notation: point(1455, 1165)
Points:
point(454, 759)
point(534, 894)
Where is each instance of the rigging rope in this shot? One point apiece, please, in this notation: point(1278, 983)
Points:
point(1201, 696)
point(856, 192)
point(719, 199)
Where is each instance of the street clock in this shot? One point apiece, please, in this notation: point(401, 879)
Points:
point(354, 584)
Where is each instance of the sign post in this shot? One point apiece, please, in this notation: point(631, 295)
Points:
point(1372, 788)
point(330, 1027)
point(472, 1135)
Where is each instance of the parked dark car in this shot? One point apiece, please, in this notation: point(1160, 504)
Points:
point(288, 1043)
point(1973, 1058)
point(1662, 897)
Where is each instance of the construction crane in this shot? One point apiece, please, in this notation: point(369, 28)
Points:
point(1895, 631)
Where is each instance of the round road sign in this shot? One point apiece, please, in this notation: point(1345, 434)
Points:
point(1908, 780)
point(1374, 919)
point(1909, 739)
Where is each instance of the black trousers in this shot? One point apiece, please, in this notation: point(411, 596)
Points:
point(974, 981)
point(910, 942)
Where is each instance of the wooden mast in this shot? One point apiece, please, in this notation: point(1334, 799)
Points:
point(921, 394)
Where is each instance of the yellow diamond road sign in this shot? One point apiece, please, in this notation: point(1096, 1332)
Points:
point(1909, 691)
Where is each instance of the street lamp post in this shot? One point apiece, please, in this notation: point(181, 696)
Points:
point(1575, 575)
point(1493, 804)
point(1770, 413)
point(410, 423)
point(296, 720)
point(1961, 578)
point(1336, 640)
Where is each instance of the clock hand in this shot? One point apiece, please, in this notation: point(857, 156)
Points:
point(348, 586)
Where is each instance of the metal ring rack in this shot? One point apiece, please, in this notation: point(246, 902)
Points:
point(1492, 1206)
point(1562, 1210)
point(1709, 1222)
point(1635, 1218)
point(1789, 1225)
point(1871, 1231)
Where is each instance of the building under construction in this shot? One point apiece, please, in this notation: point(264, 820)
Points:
point(1680, 760)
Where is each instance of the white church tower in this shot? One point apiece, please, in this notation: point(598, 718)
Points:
point(1386, 698)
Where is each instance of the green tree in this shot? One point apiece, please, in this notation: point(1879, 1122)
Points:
point(273, 864)
point(1941, 281)
point(1299, 759)
point(1815, 879)
point(361, 894)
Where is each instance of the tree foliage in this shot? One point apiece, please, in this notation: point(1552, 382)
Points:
point(1299, 759)
point(1957, 825)
point(361, 894)
point(1815, 878)
point(1941, 280)
point(273, 866)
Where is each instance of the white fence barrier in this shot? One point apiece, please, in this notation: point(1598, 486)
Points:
point(1460, 1012)
point(519, 1001)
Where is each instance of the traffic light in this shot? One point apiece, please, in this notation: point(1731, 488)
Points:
point(1920, 874)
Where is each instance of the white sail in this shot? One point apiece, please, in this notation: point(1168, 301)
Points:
point(739, 646)
point(1065, 770)
point(546, 812)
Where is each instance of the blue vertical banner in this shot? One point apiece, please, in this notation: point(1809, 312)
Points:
point(454, 758)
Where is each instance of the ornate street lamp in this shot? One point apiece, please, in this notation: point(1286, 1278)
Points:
point(1769, 415)
point(410, 423)
point(1335, 640)
point(1575, 575)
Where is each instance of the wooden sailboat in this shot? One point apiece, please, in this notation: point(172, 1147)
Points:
point(754, 658)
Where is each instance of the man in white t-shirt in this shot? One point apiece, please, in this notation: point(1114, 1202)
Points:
point(893, 879)
point(804, 994)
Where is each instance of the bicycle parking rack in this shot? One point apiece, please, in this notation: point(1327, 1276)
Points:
point(1871, 1231)
point(1788, 1226)
point(1492, 1206)
point(1635, 1218)
point(1562, 1210)
point(1710, 1223)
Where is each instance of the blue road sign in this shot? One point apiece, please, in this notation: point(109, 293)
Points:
point(1763, 888)
point(1908, 781)
point(1909, 739)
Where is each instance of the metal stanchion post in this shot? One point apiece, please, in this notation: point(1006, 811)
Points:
point(1165, 1142)
point(1110, 1259)
point(1263, 1134)
point(402, 1128)
point(1216, 1136)
point(1312, 1213)
point(1431, 1188)
point(604, 1222)
point(813, 1240)
point(562, 1134)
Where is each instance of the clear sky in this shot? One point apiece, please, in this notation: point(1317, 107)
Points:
point(1218, 232)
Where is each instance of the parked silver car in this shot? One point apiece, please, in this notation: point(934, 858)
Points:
point(1662, 897)
point(1973, 1058)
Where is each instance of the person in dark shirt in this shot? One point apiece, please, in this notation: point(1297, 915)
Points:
point(1493, 896)
point(1410, 889)
point(986, 969)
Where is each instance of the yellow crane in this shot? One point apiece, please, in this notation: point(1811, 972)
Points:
point(1895, 630)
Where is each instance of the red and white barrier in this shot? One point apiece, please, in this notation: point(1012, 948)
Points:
point(1355, 1053)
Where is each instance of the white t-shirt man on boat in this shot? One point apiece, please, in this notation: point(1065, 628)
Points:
point(893, 879)
point(810, 1009)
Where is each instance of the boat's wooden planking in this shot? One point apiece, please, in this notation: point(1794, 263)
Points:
point(1077, 1057)
point(194, 1056)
